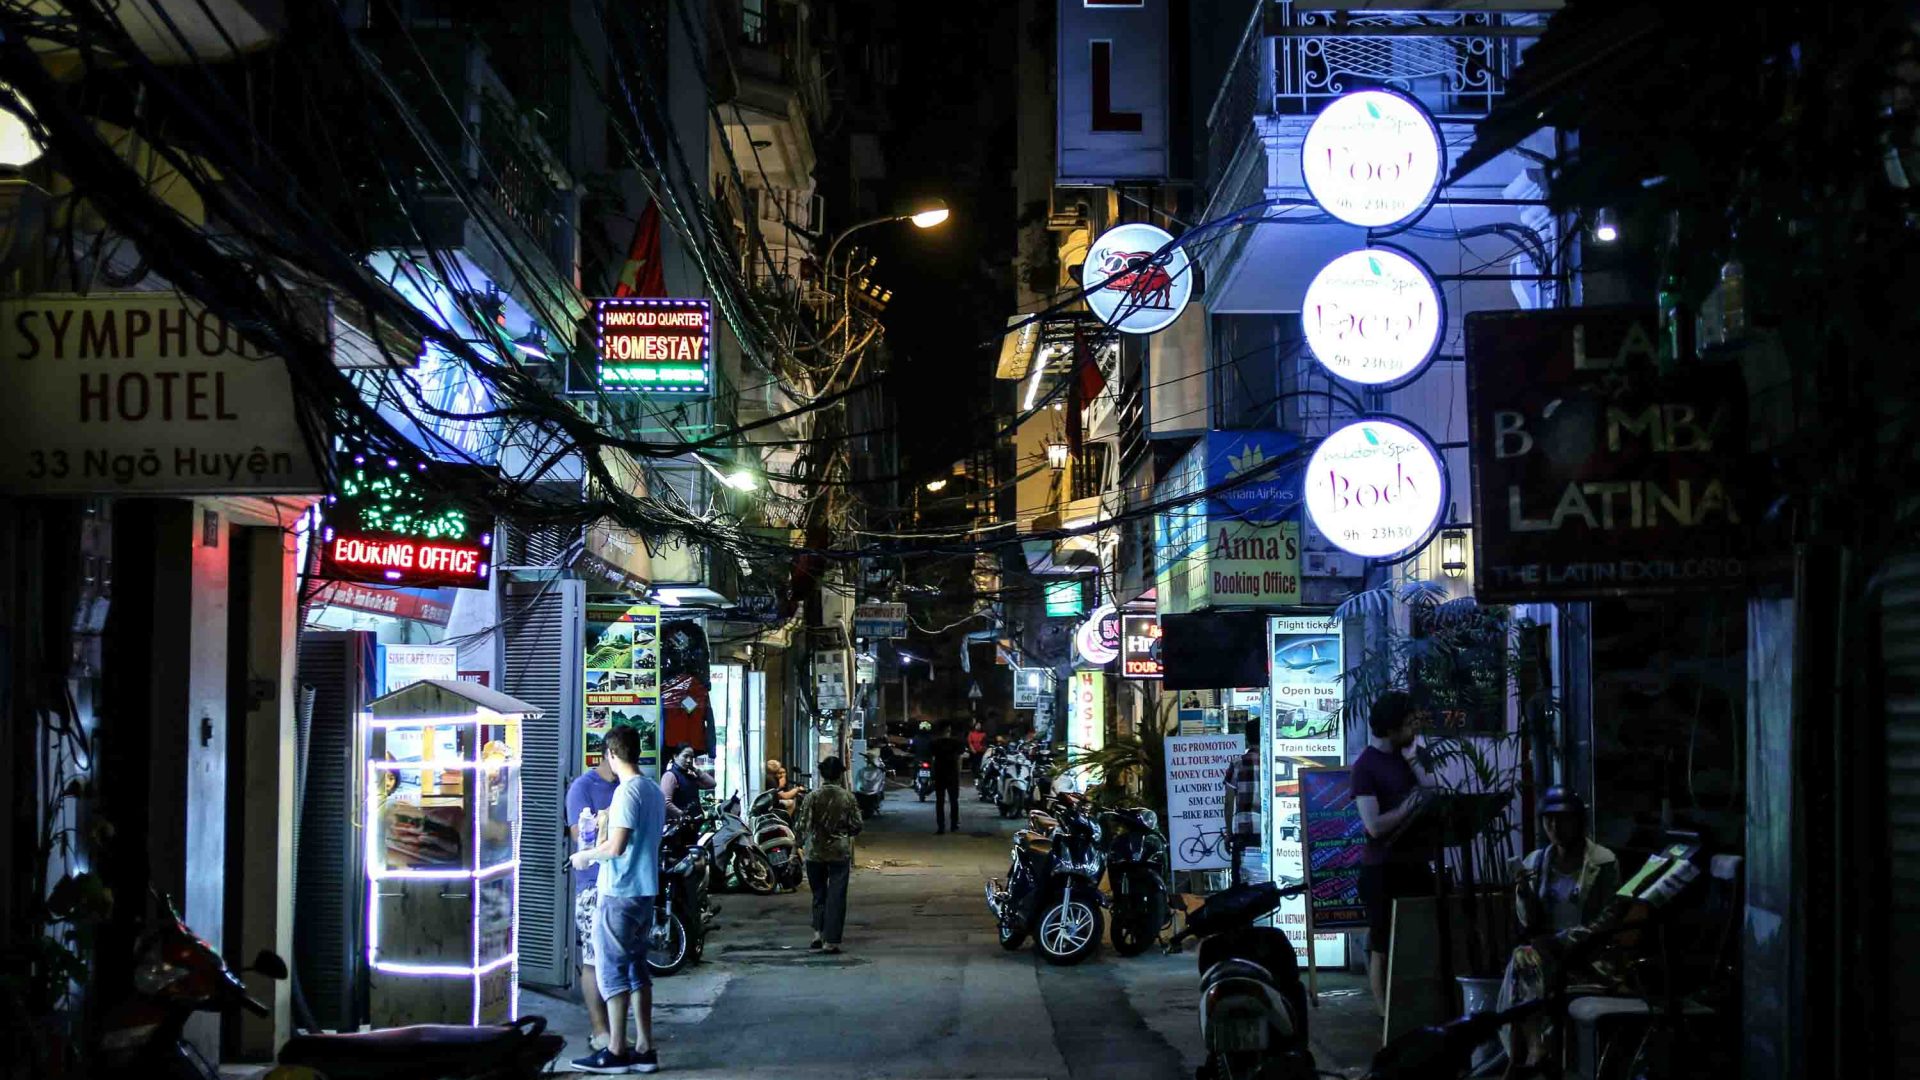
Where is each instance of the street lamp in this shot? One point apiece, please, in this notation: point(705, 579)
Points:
point(1057, 455)
point(19, 146)
point(1606, 225)
point(936, 485)
point(925, 215)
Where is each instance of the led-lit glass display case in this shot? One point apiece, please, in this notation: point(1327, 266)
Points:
point(442, 850)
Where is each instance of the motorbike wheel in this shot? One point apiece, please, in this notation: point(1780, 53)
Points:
point(755, 872)
point(1012, 939)
point(669, 949)
point(1068, 933)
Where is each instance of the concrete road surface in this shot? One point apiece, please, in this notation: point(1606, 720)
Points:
point(923, 988)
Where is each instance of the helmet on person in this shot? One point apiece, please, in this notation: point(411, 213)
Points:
point(926, 725)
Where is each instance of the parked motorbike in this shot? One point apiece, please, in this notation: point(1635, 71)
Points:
point(773, 831)
point(738, 862)
point(1015, 794)
point(681, 912)
point(177, 974)
point(870, 786)
point(923, 780)
point(1136, 874)
point(1052, 889)
point(1253, 1010)
point(986, 778)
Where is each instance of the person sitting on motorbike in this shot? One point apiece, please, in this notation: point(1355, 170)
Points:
point(922, 744)
point(1557, 888)
point(785, 795)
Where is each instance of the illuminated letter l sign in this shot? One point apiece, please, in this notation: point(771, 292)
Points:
point(1104, 118)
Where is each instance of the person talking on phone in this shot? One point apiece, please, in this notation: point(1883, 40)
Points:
point(1388, 790)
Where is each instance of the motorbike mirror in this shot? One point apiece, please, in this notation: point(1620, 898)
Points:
point(268, 963)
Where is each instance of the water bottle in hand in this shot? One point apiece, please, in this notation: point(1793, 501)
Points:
point(587, 829)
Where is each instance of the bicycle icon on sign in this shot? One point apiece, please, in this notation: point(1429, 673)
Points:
point(1204, 845)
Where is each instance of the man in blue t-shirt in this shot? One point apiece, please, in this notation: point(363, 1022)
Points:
point(629, 858)
point(591, 791)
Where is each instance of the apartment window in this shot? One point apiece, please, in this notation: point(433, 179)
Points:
point(753, 21)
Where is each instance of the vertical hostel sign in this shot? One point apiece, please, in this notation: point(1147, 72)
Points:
point(1594, 473)
point(1112, 95)
point(647, 345)
point(623, 679)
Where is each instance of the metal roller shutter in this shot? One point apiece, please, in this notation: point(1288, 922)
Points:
point(1899, 611)
point(328, 904)
point(540, 663)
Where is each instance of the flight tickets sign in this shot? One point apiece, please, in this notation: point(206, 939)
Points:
point(1594, 473)
point(648, 345)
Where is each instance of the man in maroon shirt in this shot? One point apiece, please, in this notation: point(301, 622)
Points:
point(1388, 790)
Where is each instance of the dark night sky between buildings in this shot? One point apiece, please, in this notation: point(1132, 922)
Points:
point(953, 136)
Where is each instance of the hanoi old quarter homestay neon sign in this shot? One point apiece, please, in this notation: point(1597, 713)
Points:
point(648, 345)
point(403, 560)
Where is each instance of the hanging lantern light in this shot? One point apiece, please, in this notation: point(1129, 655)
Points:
point(1057, 456)
point(1453, 552)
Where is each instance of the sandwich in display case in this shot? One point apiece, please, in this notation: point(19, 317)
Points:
point(442, 851)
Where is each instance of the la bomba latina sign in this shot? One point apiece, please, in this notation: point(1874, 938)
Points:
point(1374, 316)
point(654, 346)
point(1373, 158)
point(1376, 488)
point(402, 560)
point(1128, 287)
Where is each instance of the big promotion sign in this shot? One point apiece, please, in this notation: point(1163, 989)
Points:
point(1373, 158)
point(1374, 316)
point(1376, 488)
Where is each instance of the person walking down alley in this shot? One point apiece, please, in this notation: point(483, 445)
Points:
point(829, 820)
point(628, 855)
point(590, 793)
point(946, 754)
point(976, 746)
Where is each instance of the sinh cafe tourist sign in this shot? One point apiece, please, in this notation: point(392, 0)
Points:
point(1595, 472)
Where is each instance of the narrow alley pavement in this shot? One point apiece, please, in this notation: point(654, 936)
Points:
point(924, 990)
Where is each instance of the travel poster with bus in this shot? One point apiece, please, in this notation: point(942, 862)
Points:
point(622, 679)
point(1336, 841)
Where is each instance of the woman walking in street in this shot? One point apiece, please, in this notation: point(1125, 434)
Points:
point(829, 820)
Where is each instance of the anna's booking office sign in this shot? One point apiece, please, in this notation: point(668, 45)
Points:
point(1595, 473)
point(143, 393)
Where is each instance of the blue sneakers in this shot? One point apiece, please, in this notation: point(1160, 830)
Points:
point(608, 1063)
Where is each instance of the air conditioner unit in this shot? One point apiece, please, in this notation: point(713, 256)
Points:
point(1330, 564)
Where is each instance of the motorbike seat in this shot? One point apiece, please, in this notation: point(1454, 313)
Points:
point(1042, 822)
point(1037, 843)
point(1227, 970)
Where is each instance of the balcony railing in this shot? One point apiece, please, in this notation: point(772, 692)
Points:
point(1293, 62)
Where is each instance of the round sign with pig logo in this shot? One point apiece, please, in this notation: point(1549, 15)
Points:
point(1134, 280)
point(1374, 316)
point(1376, 488)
